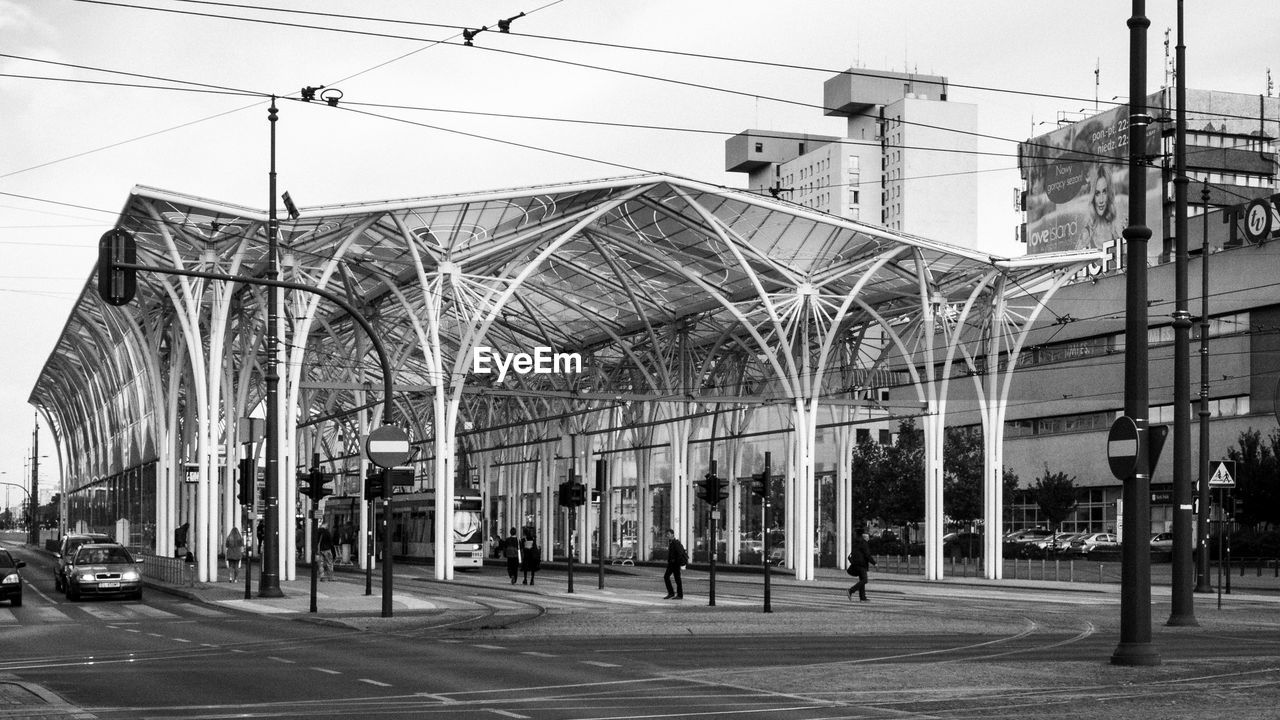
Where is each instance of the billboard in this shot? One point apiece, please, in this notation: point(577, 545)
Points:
point(1078, 187)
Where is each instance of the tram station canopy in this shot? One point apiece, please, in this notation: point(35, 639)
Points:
point(674, 294)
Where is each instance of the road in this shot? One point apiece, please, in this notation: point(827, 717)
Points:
point(915, 650)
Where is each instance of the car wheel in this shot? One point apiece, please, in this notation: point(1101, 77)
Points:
point(138, 596)
point(73, 594)
point(17, 600)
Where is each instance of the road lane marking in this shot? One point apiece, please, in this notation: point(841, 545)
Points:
point(181, 640)
point(597, 663)
point(504, 713)
point(283, 660)
point(326, 670)
point(488, 647)
point(374, 682)
point(537, 654)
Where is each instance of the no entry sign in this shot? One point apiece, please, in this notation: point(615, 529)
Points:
point(1123, 446)
point(387, 447)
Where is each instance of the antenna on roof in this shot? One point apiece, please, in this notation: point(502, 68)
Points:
point(1097, 81)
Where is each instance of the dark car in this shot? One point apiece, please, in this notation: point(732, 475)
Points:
point(67, 550)
point(103, 569)
point(10, 579)
point(962, 545)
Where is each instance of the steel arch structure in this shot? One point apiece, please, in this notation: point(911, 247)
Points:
point(695, 310)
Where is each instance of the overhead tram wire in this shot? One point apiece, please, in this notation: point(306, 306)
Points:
point(531, 56)
point(433, 42)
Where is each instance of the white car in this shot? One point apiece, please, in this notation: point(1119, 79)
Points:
point(1087, 543)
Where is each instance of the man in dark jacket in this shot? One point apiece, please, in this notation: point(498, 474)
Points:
point(859, 560)
point(676, 559)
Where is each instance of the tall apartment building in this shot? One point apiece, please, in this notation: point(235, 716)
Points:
point(907, 160)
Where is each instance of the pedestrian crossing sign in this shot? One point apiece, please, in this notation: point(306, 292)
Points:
point(1222, 473)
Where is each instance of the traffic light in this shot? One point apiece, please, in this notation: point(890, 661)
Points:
point(572, 494)
point(713, 489)
point(760, 485)
point(601, 469)
point(373, 485)
point(720, 491)
point(117, 286)
point(315, 482)
point(244, 482)
point(760, 481)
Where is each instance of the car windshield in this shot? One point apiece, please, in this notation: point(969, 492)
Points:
point(103, 555)
point(6, 560)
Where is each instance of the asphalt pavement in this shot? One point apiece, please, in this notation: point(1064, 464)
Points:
point(632, 594)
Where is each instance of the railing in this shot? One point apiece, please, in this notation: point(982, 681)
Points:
point(171, 570)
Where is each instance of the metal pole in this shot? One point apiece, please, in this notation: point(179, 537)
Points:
point(1182, 612)
point(602, 466)
point(764, 549)
point(269, 578)
point(370, 538)
point(314, 544)
point(572, 519)
point(1204, 584)
point(1135, 646)
point(33, 499)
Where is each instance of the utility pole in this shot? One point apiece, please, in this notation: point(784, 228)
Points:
point(1183, 605)
point(1135, 646)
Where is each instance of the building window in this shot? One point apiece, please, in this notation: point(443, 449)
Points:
point(759, 147)
point(801, 148)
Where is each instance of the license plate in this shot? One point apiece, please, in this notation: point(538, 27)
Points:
point(108, 585)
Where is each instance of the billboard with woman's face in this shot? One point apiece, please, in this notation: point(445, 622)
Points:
point(1078, 186)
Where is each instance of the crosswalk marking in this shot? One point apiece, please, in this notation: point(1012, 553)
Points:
point(51, 614)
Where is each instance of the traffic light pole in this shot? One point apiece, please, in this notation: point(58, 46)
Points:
point(573, 518)
point(270, 557)
point(713, 489)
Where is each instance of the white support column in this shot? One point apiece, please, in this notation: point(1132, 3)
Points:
point(844, 489)
point(933, 439)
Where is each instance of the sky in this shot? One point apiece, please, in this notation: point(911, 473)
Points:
point(419, 113)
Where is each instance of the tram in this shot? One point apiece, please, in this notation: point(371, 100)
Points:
point(413, 522)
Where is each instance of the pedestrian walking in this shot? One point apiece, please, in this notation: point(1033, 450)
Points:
point(859, 560)
point(677, 558)
point(511, 551)
point(233, 551)
point(325, 549)
point(530, 557)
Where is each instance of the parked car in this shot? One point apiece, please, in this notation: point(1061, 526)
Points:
point(67, 550)
point(962, 545)
point(1162, 542)
point(1056, 545)
point(10, 579)
point(1087, 543)
point(103, 569)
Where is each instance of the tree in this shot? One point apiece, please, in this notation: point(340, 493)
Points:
point(1056, 495)
point(867, 493)
point(902, 477)
point(1257, 477)
point(962, 478)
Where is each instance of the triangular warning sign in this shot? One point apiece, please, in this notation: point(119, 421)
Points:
point(1221, 476)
